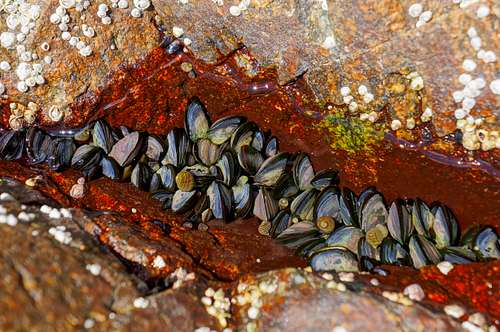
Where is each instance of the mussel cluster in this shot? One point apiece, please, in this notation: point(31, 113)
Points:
point(232, 169)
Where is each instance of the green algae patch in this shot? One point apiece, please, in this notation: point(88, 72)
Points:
point(351, 134)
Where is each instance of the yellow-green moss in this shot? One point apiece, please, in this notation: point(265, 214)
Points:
point(350, 133)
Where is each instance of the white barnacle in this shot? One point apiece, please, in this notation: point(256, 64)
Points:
point(22, 86)
point(135, 13)
point(345, 91)
point(495, 86)
point(454, 310)
point(483, 11)
point(329, 42)
point(177, 31)
point(142, 4)
point(425, 16)
point(395, 124)
point(235, 10)
point(55, 113)
point(5, 66)
point(7, 39)
point(469, 65)
point(415, 10)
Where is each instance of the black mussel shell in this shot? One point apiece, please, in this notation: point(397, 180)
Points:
point(102, 136)
point(202, 204)
point(243, 198)
point(178, 148)
point(310, 247)
point(324, 179)
point(348, 208)
point(364, 196)
point(373, 211)
point(164, 197)
point(141, 176)
point(128, 149)
point(398, 222)
point(222, 129)
point(391, 252)
point(12, 144)
point(279, 223)
point(196, 120)
point(367, 264)
point(155, 183)
point(422, 218)
point(347, 237)
point(243, 135)
point(207, 152)
point(303, 171)
point(258, 141)
point(174, 47)
point(272, 147)
point(38, 145)
point(183, 201)
point(327, 204)
point(469, 236)
point(422, 251)
point(486, 244)
point(265, 206)
point(110, 168)
point(167, 176)
point(156, 148)
point(271, 170)
point(61, 152)
point(298, 234)
point(250, 159)
point(228, 168)
point(334, 259)
point(303, 205)
point(220, 197)
point(86, 157)
point(366, 250)
point(458, 255)
point(286, 187)
point(445, 228)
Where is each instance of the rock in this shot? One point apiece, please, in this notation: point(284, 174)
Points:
point(305, 302)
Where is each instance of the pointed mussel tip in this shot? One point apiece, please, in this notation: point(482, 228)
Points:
point(232, 169)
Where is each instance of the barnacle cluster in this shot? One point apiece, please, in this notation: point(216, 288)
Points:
point(232, 169)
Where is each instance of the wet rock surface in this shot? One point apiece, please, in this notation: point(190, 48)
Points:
point(98, 270)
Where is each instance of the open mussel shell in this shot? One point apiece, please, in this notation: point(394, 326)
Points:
point(156, 148)
point(298, 234)
point(250, 159)
point(422, 251)
point(86, 157)
point(348, 208)
point(265, 206)
point(422, 218)
point(178, 148)
point(303, 171)
point(399, 223)
point(279, 223)
point(128, 149)
point(141, 176)
point(196, 120)
point(207, 152)
point(183, 201)
point(392, 252)
point(12, 144)
point(444, 228)
point(373, 211)
point(303, 205)
point(272, 147)
point(38, 145)
point(458, 255)
point(243, 198)
point(325, 179)
point(220, 197)
point(102, 136)
point(334, 259)
point(228, 168)
point(222, 129)
point(486, 244)
point(243, 135)
point(110, 168)
point(346, 237)
point(61, 152)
